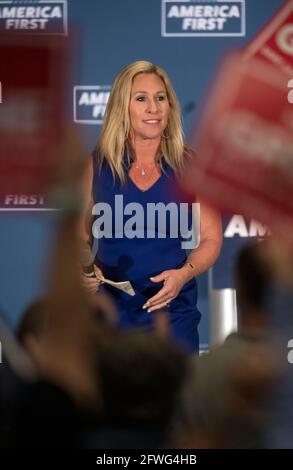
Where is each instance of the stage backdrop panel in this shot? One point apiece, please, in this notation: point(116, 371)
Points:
point(110, 35)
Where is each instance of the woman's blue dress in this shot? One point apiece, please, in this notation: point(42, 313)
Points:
point(138, 236)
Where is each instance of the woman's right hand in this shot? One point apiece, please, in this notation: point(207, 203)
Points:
point(92, 284)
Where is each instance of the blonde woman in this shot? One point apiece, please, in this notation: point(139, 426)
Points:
point(137, 211)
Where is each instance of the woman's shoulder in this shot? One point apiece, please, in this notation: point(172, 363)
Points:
point(179, 168)
point(180, 172)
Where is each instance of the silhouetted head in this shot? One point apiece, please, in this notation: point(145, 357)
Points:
point(253, 280)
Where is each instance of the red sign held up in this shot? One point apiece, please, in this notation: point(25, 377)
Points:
point(245, 140)
point(33, 76)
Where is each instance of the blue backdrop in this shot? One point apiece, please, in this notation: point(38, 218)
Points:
point(111, 34)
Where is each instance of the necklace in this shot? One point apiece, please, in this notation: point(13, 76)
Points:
point(145, 173)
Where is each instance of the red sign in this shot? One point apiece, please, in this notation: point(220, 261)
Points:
point(33, 77)
point(245, 144)
point(245, 141)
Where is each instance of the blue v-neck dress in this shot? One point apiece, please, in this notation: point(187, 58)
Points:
point(134, 246)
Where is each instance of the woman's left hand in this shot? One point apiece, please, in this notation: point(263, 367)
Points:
point(174, 280)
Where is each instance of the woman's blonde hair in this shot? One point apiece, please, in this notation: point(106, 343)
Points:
point(114, 138)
